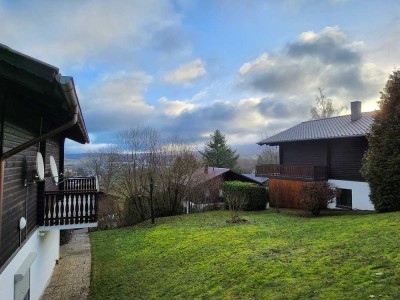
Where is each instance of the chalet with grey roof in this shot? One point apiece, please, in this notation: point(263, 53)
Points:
point(328, 149)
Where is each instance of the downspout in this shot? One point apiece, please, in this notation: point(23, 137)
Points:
point(68, 91)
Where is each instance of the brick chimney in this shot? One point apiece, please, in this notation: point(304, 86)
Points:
point(355, 110)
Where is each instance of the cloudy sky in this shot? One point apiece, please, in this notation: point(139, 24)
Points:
point(186, 68)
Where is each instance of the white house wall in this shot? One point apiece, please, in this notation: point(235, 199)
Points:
point(47, 249)
point(360, 193)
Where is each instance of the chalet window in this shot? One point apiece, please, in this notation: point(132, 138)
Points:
point(344, 198)
point(22, 278)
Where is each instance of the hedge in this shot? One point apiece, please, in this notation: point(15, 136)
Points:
point(258, 195)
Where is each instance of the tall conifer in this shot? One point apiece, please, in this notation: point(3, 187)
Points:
point(382, 161)
point(218, 154)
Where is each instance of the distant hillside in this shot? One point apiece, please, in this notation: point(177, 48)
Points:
point(244, 151)
point(76, 155)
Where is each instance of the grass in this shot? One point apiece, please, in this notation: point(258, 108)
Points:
point(273, 256)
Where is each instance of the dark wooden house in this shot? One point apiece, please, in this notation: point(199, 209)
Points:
point(322, 150)
point(39, 109)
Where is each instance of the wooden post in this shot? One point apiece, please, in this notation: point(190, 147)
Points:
point(153, 218)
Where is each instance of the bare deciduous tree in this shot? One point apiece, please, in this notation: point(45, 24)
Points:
point(105, 164)
point(323, 107)
point(138, 146)
point(176, 175)
point(157, 175)
point(270, 155)
point(236, 201)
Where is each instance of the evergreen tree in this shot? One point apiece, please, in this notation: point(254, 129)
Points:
point(381, 164)
point(218, 154)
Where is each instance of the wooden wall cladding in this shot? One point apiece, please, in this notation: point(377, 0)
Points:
point(346, 158)
point(307, 153)
point(15, 193)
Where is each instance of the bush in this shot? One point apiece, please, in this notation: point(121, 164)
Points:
point(257, 196)
point(315, 196)
point(236, 200)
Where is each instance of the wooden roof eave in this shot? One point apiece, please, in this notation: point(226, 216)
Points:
point(78, 132)
point(311, 140)
point(54, 95)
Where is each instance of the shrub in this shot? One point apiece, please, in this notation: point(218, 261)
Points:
point(257, 196)
point(315, 196)
point(236, 200)
point(111, 212)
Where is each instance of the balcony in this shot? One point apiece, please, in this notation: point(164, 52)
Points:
point(305, 173)
point(73, 207)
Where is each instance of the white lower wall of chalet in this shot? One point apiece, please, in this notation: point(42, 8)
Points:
point(47, 249)
point(360, 193)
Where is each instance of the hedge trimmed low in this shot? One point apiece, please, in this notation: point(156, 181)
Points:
point(257, 195)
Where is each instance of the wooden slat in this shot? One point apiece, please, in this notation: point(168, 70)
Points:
point(292, 172)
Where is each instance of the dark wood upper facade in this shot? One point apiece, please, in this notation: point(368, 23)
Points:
point(339, 158)
point(33, 105)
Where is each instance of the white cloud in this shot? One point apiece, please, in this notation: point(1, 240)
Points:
point(243, 138)
point(174, 108)
point(73, 147)
point(117, 100)
point(123, 89)
point(259, 63)
point(307, 36)
point(326, 59)
point(186, 73)
point(80, 31)
point(200, 95)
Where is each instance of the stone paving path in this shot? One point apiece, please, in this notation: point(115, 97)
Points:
point(71, 277)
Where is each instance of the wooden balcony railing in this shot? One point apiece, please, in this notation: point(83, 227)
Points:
point(309, 173)
point(80, 184)
point(75, 205)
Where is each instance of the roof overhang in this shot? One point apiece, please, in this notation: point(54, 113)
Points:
point(45, 91)
point(277, 143)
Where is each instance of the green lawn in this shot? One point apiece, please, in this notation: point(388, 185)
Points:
point(274, 256)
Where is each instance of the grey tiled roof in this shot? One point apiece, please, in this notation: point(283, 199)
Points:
point(335, 127)
point(259, 179)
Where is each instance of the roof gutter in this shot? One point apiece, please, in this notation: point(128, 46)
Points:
point(68, 91)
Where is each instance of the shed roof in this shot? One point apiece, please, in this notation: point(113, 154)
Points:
point(259, 179)
point(329, 128)
point(206, 174)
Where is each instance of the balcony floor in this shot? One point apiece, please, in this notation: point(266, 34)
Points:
point(65, 227)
